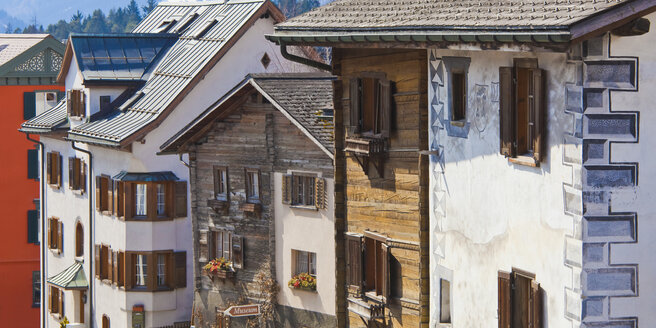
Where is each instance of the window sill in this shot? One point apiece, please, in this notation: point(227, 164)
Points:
point(374, 297)
point(79, 259)
point(55, 251)
point(78, 192)
point(305, 207)
point(54, 186)
point(56, 316)
point(308, 290)
point(458, 123)
point(524, 160)
point(36, 305)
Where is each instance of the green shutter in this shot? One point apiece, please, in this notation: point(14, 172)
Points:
point(32, 164)
point(60, 95)
point(33, 226)
point(29, 105)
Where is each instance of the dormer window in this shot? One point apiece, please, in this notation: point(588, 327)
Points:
point(165, 26)
point(207, 26)
point(184, 24)
point(75, 103)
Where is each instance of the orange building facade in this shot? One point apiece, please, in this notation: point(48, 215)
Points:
point(28, 68)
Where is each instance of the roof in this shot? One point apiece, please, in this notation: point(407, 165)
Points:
point(12, 45)
point(306, 99)
point(71, 278)
point(206, 31)
point(146, 177)
point(50, 120)
point(449, 20)
point(114, 57)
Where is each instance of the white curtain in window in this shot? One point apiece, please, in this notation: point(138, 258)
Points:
point(141, 270)
point(140, 201)
point(161, 269)
point(161, 199)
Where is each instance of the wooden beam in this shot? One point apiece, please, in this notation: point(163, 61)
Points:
point(611, 19)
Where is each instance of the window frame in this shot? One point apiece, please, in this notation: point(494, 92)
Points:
point(360, 261)
point(76, 103)
point(140, 271)
point(509, 290)
point(104, 194)
point(36, 289)
point(250, 188)
point(307, 199)
point(381, 102)
point(56, 302)
point(310, 262)
point(79, 239)
point(54, 169)
point(221, 181)
point(150, 270)
point(55, 235)
point(77, 174)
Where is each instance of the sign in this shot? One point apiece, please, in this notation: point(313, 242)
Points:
point(243, 310)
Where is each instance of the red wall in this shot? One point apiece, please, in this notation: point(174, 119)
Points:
point(18, 258)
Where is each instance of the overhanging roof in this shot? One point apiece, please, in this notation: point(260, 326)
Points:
point(70, 279)
point(48, 121)
point(146, 176)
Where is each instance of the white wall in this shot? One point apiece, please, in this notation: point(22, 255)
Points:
point(310, 231)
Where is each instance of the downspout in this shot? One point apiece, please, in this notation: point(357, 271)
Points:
point(302, 60)
point(42, 211)
point(91, 255)
point(185, 163)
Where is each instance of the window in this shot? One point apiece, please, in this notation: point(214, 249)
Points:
point(105, 321)
point(304, 190)
point(520, 299)
point(120, 268)
point(161, 200)
point(141, 270)
point(253, 185)
point(75, 103)
point(105, 103)
point(367, 264)
point(103, 191)
point(77, 174)
point(522, 111)
point(36, 288)
point(445, 301)
point(227, 245)
point(35, 103)
point(104, 261)
point(458, 96)
point(370, 106)
point(184, 24)
point(165, 26)
point(265, 60)
point(54, 169)
point(32, 164)
point(161, 269)
point(140, 200)
point(304, 262)
point(221, 183)
point(79, 240)
point(206, 27)
point(33, 227)
point(56, 303)
point(55, 238)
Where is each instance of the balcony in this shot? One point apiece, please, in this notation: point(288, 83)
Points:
point(366, 310)
point(367, 149)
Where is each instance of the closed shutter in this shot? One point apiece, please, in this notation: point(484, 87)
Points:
point(60, 293)
point(535, 314)
point(128, 200)
point(237, 252)
point(354, 262)
point(507, 112)
point(96, 254)
point(170, 270)
point(32, 164)
point(539, 113)
point(49, 233)
point(180, 203)
point(129, 267)
point(98, 194)
point(29, 105)
point(504, 299)
point(119, 198)
point(71, 173)
point(354, 105)
point(58, 169)
point(180, 269)
point(386, 272)
point(385, 108)
point(60, 236)
point(50, 299)
point(49, 168)
point(287, 189)
point(33, 226)
point(203, 251)
point(110, 264)
point(69, 102)
point(120, 268)
point(83, 176)
point(110, 195)
point(320, 193)
point(151, 271)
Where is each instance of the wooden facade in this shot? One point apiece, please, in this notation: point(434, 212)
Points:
point(392, 207)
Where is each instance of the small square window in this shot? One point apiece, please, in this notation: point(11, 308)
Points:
point(265, 60)
point(303, 190)
point(304, 262)
point(253, 185)
point(458, 96)
point(221, 183)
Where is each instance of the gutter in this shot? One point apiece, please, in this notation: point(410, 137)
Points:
point(91, 232)
point(42, 211)
point(302, 60)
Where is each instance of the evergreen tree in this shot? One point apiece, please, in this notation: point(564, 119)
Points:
point(96, 23)
point(9, 28)
point(150, 5)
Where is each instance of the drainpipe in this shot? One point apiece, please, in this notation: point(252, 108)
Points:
point(89, 191)
point(42, 211)
point(302, 60)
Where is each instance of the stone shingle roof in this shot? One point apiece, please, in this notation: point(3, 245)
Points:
point(447, 14)
point(12, 45)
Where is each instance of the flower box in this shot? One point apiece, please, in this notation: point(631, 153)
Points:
point(220, 268)
point(303, 281)
point(251, 208)
point(224, 274)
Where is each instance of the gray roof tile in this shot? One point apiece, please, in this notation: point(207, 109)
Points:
point(12, 45)
point(47, 121)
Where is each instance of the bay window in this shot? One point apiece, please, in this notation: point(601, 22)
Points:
point(140, 199)
point(140, 270)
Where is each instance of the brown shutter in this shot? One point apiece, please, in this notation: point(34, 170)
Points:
point(203, 251)
point(151, 271)
point(504, 299)
point(58, 169)
point(83, 103)
point(539, 114)
point(237, 252)
point(170, 270)
point(129, 267)
point(110, 195)
point(98, 194)
point(110, 265)
point(385, 109)
point(386, 272)
point(180, 269)
point(507, 111)
point(50, 233)
point(97, 259)
point(354, 261)
point(60, 293)
point(355, 102)
point(320, 193)
point(49, 299)
point(49, 168)
point(71, 173)
point(83, 176)
point(120, 268)
point(60, 236)
point(119, 198)
point(115, 267)
point(69, 102)
point(180, 203)
point(128, 198)
point(215, 172)
point(535, 320)
point(115, 194)
point(286, 189)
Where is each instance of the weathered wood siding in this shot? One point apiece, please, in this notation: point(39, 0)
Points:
point(395, 204)
point(254, 136)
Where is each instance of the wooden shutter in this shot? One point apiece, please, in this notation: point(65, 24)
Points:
point(385, 108)
point(128, 200)
point(354, 262)
point(120, 268)
point(119, 198)
point(71, 170)
point(180, 269)
point(504, 299)
point(386, 272)
point(49, 233)
point(33, 226)
point(60, 293)
point(96, 257)
point(507, 112)
point(60, 236)
point(129, 267)
point(50, 299)
point(83, 176)
point(170, 270)
point(32, 164)
point(49, 168)
point(29, 105)
point(203, 251)
point(151, 271)
point(58, 169)
point(110, 264)
point(287, 189)
point(110, 195)
point(98, 194)
point(354, 106)
point(320, 193)
point(180, 203)
point(535, 314)
point(69, 102)
point(539, 113)
point(237, 252)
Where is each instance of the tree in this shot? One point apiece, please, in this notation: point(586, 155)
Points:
point(9, 28)
point(96, 23)
point(150, 5)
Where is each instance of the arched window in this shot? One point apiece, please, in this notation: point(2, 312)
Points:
point(105, 321)
point(79, 240)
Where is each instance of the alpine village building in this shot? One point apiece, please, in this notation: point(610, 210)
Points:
point(28, 68)
point(115, 216)
point(262, 198)
point(503, 183)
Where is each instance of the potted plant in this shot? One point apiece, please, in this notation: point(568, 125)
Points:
point(220, 267)
point(303, 281)
point(63, 323)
